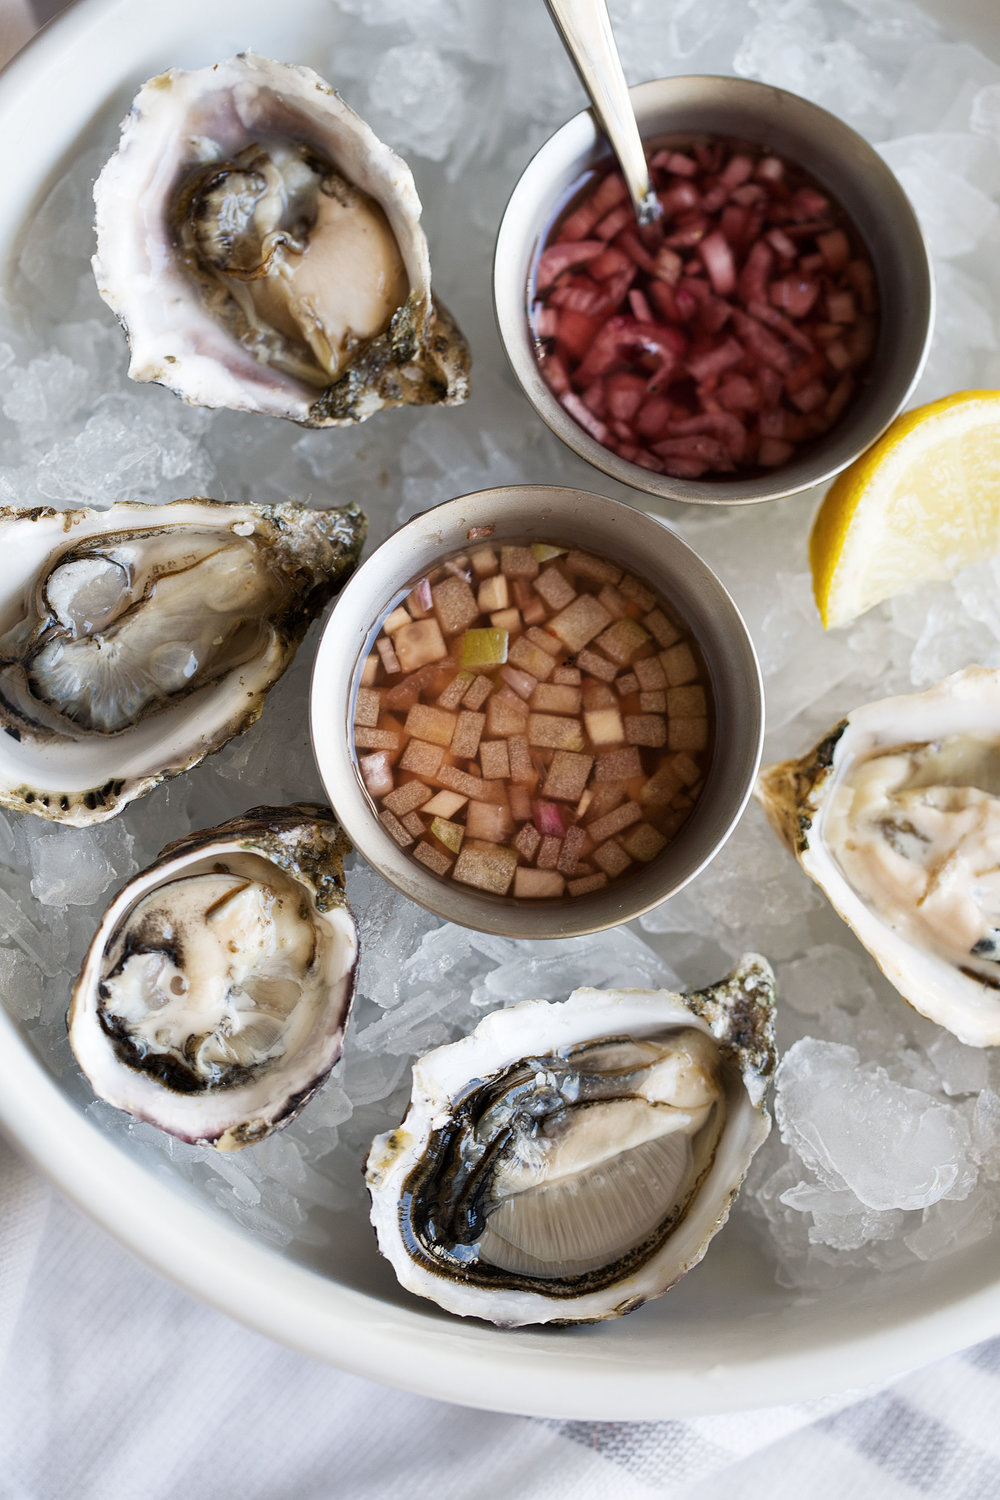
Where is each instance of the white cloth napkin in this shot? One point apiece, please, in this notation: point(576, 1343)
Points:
point(115, 1385)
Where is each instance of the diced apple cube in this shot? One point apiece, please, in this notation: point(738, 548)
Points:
point(454, 605)
point(548, 853)
point(488, 820)
point(643, 842)
point(555, 588)
point(396, 620)
point(567, 676)
point(489, 867)
point(618, 765)
point(468, 731)
point(460, 781)
point(518, 562)
point(633, 589)
point(369, 672)
point(586, 565)
point(418, 643)
point(494, 760)
point(622, 640)
point(604, 726)
point(614, 602)
point(484, 648)
point(661, 788)
point(646, 729)
point(493, 594)
point(538, 884)
point(614, 822)
point(506, 619)
point(434, 859)
point(554, 732)
point(527, 841)
point(522, 682)
point(366, 706)
point(598, 666)
point(664, 631)
point(522, 767)
point(572, 848)
point(456, 690)
point(376, 773)
point(407, 798)
point(395, 828)
point(479, 690)
point(519, 798)
point(687, 702)
point(503, 719)
point(612, 858)
point(679, 664)
point(546, 641)
point(545, 552)
point(567, 776)
point(650, 674)
point(422, 758)
point(449, 834)
point(554, 698)
point(530, 658)
point(425, 722)
point(607, 796)
point(687, 734)
point(444, 804)
point(375, 739)
point(483, 561)
point(533, 613)
point(597, 695)
point(580, 621)
point(588, 883)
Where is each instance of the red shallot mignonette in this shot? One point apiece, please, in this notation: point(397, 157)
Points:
point(533, 721)
point(740, 335)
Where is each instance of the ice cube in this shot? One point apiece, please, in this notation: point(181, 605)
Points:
point(894, 1147)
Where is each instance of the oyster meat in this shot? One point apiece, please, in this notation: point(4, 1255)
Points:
point(566, 1162)
point(896, 816)
point(136, 640)
point(262, 249)
point(213, 999)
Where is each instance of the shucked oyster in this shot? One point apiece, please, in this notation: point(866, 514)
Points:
point(566, 1162)
point(213, 999)
point(896, 815)
point(136, 640)
point(263, 250)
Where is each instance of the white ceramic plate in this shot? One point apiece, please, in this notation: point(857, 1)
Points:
point(728, 1337)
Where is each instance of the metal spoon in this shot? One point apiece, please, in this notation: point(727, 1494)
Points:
point(585, 28)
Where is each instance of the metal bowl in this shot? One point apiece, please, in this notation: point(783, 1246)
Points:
point(651, 550)
point(839, 160)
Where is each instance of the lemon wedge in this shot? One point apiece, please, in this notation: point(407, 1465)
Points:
point(919, 505)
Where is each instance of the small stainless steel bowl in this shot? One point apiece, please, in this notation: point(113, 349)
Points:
point(638, 542)
point(838, 159)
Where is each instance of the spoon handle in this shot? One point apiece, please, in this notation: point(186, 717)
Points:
point(585, 28)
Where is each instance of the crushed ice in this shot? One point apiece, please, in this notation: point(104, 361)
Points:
point(887, 1146)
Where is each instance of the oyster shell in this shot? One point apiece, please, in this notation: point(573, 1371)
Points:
point(213, 999)
point(136, 640)
point(896, 816)
point(566, 1162)
point(262, 249)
